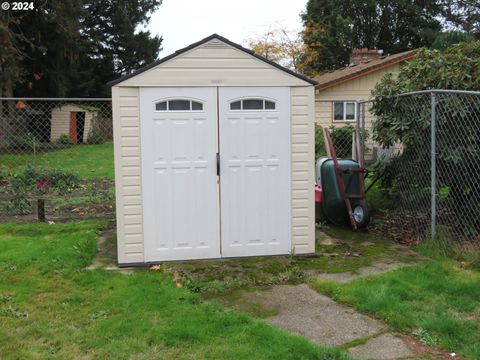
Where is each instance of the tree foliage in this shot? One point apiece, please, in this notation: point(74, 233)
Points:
point(458, 67)
point(463, 15)
point(280, 45)
point(448, 38)
point(333, 28)
point(73, 47)
point(407, 120)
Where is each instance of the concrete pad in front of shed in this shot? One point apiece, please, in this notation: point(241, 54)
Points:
point(383, 347)
point(304, 312)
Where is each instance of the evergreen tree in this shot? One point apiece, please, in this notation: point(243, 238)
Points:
point(68, 48)
point(334, 27)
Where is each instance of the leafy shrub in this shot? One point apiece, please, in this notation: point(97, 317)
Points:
point(95, 138)
point(342, 140)
point(23, 142)
point(36, 182)
point(319, 142)
point(4, 175)
point(406, 120)
point(64, 140)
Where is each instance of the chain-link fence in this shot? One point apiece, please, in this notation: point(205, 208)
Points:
point(431, 178)
point(59, 151)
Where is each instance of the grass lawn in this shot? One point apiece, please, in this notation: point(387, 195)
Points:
point(88, 161)
point(51, 307)
point(436, 301)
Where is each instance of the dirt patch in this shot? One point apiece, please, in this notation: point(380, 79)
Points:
point(93, 199)
point(423, 351)
point(106, 248)
point(106, 257)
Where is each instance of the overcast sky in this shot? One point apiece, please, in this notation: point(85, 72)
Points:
point(182, 22)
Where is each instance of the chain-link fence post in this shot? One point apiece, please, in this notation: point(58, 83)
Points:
point(433, 160)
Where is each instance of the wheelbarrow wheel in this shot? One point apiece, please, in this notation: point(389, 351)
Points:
point(361, 215)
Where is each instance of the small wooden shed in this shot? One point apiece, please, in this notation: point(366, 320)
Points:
point(214, 157)
point(72, 120)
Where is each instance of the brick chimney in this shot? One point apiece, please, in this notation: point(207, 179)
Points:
point(361, 56)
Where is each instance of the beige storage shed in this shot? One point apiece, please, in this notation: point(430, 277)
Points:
point(72, 120)
point(214, 157)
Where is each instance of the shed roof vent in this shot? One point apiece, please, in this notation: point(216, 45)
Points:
point(215, 44)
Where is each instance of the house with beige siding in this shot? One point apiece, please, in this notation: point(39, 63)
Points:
point(214, 157)
point(337, 92)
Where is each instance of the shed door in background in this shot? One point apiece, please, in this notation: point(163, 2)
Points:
point(180, 187)
point(254, 126)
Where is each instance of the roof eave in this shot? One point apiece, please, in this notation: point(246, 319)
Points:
point(366, 71)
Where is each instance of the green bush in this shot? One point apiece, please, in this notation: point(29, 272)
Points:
point(342, 140)
point(95, 138)
point(319, 142)
point(64, 139)
point(406, 120)
point(23, 142)
point(36, 182)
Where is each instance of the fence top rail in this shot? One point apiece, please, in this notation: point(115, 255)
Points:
point(432, 91)
point(53, 99)
point(441, 91)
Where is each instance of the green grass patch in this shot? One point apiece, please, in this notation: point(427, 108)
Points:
point(52, 307)
point(435, 301)
point(88, 161)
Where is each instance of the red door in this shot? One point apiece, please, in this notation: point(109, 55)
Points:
point(73, 127)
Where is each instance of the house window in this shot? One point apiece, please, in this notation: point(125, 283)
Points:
point(179, 105)
point(253, 104)
point(344, 111)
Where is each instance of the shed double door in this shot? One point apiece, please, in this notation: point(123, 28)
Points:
point(216, 172)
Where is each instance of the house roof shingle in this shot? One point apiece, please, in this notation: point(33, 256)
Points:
point(335, 77)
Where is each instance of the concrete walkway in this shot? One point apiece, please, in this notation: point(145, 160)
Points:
point(302, 311)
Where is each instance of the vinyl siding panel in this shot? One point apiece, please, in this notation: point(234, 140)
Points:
point(128, 181)
point(303, 167)
point(213, 63)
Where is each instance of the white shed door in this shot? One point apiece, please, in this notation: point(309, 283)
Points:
point(180, 185)
point(254, 127)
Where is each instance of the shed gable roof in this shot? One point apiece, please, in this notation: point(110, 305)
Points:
point(207, 42)
point(342, 75)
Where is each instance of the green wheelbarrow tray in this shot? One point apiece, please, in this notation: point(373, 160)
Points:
point(332, 205)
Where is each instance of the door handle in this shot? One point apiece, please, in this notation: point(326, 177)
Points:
point(218, 164)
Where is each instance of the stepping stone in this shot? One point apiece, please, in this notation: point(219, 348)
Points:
point(304, 312)
point(367, 243)
point(376, 268)
point(324, 239)
point(383, 347)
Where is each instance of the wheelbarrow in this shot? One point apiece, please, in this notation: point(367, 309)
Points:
point(340, 188)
